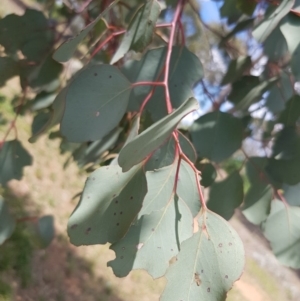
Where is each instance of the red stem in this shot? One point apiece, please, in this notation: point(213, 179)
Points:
point(146, 83)
point(169, 53)
point(177, 155)
point(110, 37)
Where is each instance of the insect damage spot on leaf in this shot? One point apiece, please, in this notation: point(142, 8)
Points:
point(197, 279)
point(208, 289)
point(139, 246)
point(88, 230)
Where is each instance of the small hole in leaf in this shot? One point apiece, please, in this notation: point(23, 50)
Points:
point(88, 230)
point(116, 201)
point(115, 213)
point(118, 224)
point(152, 229)
point(131, 197)
point(121, 212)
point(110, 76)
point(208, 289)
point(74, 226)
point(95, 74)
point(226, 276)
point(114, 195)
point(202, 271)
point(172, 250)
point(97, 114)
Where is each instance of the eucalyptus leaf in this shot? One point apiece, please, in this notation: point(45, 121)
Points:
point(145, 143)
point(258, 198)
point(13, 158)
point(140, 30)
point(55, 116)
point(96, 100)
point(159, 233)
point(282, 229)
point(185, 70)
point(225, 196)
point(272, 18)
point(8, 69)
point(222, 133)
point(110, 201)
point(66, 50)
point(208, 263)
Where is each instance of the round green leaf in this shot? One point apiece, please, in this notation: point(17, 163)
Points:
point(96, 101)
point(159, 233)
point(217, 135)
point(13, 158)
point(109, 203)
point(282, 229)
point(226, 195)
point(208, 263)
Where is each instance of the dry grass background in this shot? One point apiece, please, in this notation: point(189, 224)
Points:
point(63, 272)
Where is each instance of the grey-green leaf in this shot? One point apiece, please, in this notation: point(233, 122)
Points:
point(185, 71)
point(222, 133)
point(272, 18)
point(8, 69)
point(55, 115)
point(13, 158)
point(208, 263)
point(96, 101)
point(161, 185)
point(282, 229)
point(140, 30)
point(291, 113)
point(159, 233)
point(7, 222)
point(225, 196)
point(109, 203)
point(258, 198)
point(154, 136)
point(66, 50)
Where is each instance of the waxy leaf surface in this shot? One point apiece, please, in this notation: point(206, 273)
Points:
point(109, 203)
point(208, 263)
point(217, 135)
point(185, 71)
point(13, 158)
point(225, 196)
point(258, 198)
point(140, 30)
point(66, 50)
point(153, 240)
point(282, 229)
point(145, 143)
point(96, 101)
